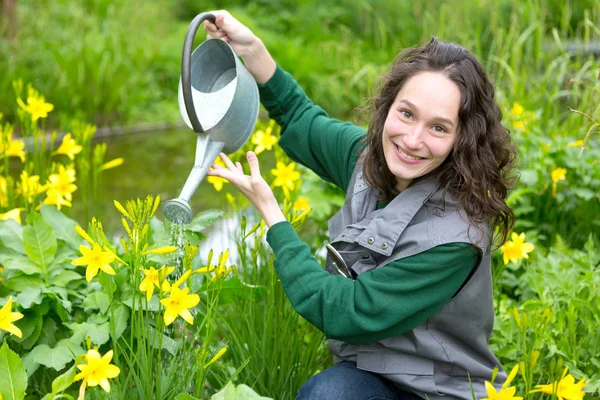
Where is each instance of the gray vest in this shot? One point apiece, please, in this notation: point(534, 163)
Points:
point(433, 359)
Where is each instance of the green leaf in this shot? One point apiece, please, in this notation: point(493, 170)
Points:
point(99, 333)
point(63, 227)
point(39, 242)
point(203, 220)
point(119, 318)
point(13, 378)
point(20, 262)
point(29, 296)
point(56, 358)
point(66, 276)
point(11, 235)
point(21, 282)
point(63, 381)
point(185, 396)
point(241, 392)
point(97, 301)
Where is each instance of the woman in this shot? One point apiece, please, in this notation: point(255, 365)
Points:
point(425, 189)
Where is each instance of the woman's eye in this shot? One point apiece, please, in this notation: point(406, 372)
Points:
point(406, 114)
point(439, 129)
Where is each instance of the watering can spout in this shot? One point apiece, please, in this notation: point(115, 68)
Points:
point(218, 99)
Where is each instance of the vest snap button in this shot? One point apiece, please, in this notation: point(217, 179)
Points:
point(370, 240)
point(365, 256)
point(344, 233)
point(384, 246)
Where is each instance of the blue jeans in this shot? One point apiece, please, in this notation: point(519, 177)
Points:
point(344, 381)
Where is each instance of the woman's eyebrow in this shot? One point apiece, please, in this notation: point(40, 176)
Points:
point(440, 119)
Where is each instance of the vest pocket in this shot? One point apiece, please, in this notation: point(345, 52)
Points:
point(386, 361)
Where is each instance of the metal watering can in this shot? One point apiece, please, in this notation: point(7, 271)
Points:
point(218, 99)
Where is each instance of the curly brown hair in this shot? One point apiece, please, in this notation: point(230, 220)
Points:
point(478, 169)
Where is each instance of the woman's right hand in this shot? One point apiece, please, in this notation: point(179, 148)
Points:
point(245, 44)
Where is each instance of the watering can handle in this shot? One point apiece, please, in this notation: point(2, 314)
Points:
point(186, 65)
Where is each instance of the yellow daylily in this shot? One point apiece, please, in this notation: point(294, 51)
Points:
point(3, 192)
point(30, 186)
point(564, 389)
point(515, 249)
point(10, 147)
point(95, 259)
point(505, 393)
point(221, 270)
point(7, 317)
point(516, 109)
point(69, 147)
point(154, 277)
point(53, 197)
point(263, 140)
point(577, 143)
point(285, 176)
point(217, 181)
point(62, 182)
point(97, 371)
point(178, 304)
point(162, 250)
point(301, 204)
point(84, 235)
point(112, 164)
point(36, 105)
point(217, 356)
point(15, 214)
point(558, 174)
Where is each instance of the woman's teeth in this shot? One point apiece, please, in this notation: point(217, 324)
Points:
point(407, 155)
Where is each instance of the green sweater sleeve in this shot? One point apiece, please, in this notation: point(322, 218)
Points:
point(381, 303)
point(327, 146)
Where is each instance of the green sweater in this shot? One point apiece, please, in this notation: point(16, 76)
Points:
point(383, 302)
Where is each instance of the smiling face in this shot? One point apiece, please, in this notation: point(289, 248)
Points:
point(421, 126)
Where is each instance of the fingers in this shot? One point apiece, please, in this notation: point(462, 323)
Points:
point(227, 162)
point(254, 167)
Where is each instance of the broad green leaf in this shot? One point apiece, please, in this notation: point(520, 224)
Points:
point(64, 277)
point(39, 242)
point(11, 235)
point(29, 296)
point(97, 301)
point(21, 282)
point(13, 378)
point(119, 317)
point(63, 227)
point(20, 262)
point(63, 381)
point(56, 358)
point(204, 219)
point(167, 343)
point(99, 333)
point(241, 392)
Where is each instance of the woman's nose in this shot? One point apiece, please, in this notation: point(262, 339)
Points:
point(413, 139)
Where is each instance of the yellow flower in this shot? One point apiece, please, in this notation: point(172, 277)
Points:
point(7, 318)
point(30, 186)
point(62, 182)
point(15, 214)
point(558, 174)
point(577, 143)
point(96, 372)
point(53, 197)
point(285, 176)
point(221, 270)
point(516, 109)
point(154, 277)
point(178, 304)
point(3, 192)
point(505, 393)
point(516, 248)
point(162, 250)
point(217, 181)
point(11, 148)
point(95, 259)
point(520, 125)
point(565, 389)
point(301, 204)
point(263, 141)
point(112, 164)
point(69, 147)
point(84, 235)
point(217, 356)
point(36, 106)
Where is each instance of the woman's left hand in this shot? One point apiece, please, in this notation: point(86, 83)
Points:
point(253, 186)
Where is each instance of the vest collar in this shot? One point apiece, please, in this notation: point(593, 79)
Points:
point(382, 232)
